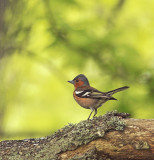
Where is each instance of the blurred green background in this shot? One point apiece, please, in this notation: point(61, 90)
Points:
point(45, 43)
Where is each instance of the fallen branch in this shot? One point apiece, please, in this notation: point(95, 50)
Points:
point(112, 136)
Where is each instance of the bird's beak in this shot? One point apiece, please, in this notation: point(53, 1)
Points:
point(72, 82)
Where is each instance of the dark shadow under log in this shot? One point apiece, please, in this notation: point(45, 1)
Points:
point(112, 136)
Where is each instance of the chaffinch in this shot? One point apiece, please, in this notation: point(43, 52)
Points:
point(89, 97)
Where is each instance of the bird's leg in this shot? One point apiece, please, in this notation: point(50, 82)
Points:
point(95, 112)
point(90, 113)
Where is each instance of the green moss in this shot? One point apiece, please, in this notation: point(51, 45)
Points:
point(142, 145)
point(68, 138)
point(72, 136)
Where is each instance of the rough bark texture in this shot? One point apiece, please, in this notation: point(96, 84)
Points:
point(112, 136)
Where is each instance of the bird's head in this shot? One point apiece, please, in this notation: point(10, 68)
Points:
point(80, 80)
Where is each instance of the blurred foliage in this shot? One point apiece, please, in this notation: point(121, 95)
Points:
point(45, 43)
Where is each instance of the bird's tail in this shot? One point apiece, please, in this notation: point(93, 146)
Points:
point(117, 90)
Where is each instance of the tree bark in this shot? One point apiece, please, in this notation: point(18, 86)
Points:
point(112, 136)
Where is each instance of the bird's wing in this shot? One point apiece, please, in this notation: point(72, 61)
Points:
point(91, 93)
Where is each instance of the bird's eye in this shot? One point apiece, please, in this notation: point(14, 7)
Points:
point(77, 80)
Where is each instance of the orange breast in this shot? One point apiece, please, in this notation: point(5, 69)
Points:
point(85, 102)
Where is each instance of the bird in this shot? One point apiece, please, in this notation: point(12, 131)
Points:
point(89, 97)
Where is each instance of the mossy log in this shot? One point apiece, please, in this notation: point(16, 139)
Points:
point(112, 136)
